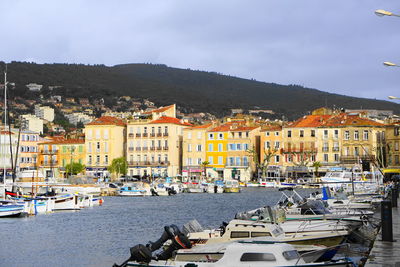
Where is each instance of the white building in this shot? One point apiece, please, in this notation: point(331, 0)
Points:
point(44, 112)
point(32, 123)
point(74, 118)
point(34, 86)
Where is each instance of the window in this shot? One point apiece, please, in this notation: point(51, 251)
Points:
point(291, 255)
point(258, 234)
point(97, 159)
point(325, 136)
point(166, 130)
point(336, 157)
point(245, 161)
point(396, 131)
point(199, 148)
point(90, 159)
point(220, 136)
point(189, 161)
point(98, 147)
point(289, 133)
point(89, 147)
point(301, 133)
point(106, 147)
point(189, 135)
point(356, 151)
point(356, 135)
point(238, 161)
point(365, 135)
point(210, 136)
point(231, 161)
point(326, 158)
point(266, 133)
point(97, 134)
point(240, 234)
point(266, 144)
point(210, 159)
point(245, 147)
point(277, 159)
point(396, 146)
point(189, 147)
point(199, 135)
point(290, 158)
point(336, 134)
point(106, 159)
point(277, 144)
point(105, 134)
point(238, 146)
point(220, 160)
point(312, 133)
point(210, 147)
point(276, 133)
point(346, 135)
point(256, 256)
point(220, 147)
point(89, 134)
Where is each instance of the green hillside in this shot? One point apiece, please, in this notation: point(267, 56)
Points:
point(194, 91)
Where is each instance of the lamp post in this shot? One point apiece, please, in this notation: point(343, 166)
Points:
point(390, 64)
point(72, 150)
point(381, 13)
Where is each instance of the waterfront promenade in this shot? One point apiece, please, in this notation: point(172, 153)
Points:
point(387, 254)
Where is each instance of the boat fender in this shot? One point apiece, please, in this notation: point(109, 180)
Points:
point(140, 253)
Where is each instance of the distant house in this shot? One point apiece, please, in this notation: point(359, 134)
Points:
point(70, 99)
point(84, 102)
point(34, 86)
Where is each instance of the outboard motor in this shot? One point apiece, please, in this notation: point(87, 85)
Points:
point(178, 241)
point(171, 191)
point(140, 253)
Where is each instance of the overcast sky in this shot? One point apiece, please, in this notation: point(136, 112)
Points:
point(336, 46)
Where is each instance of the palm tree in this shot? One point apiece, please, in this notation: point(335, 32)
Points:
point(204, 165)
point(316, 165)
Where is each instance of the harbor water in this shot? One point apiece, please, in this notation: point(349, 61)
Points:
point(103, 235)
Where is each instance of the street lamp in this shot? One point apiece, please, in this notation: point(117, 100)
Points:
point(381, 13)
point(390, 64)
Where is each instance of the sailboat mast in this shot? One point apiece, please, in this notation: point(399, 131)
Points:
point(3, 143)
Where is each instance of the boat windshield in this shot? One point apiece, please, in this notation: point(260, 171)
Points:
point(314, 207)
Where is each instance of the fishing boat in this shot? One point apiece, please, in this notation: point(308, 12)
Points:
point(10, 209)
point(237, 254)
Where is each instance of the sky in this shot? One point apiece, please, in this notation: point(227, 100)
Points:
point(336, 46)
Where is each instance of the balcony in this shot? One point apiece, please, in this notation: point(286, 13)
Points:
point(158, 148)
point(159, 134)
point(152, 135)
point(356, 159)
point(234, 165)
point(298, 150)
point(138, 135)
point(49, 151)
point(148, 163)
point(131, 149)
point(152, 148)
point(145, 148)
point(325, 149)
point(131, 135)
point(49, 162)
point(138, 149)
point(165, 148)
point(145, 134)
point(165, 134)
point(335, 148)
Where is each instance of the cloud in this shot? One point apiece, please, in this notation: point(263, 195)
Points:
point(336, 46)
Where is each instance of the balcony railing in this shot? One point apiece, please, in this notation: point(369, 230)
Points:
point(145, 134)
point(138, 135)
point(299, 150)
point(165, 148)
point(49, 151)
point(356, 159)
point(152, 148)
point(335, 148)
point(145, 148)
point(138, 148)
point(152, 135)
point(158, 148)
point(165, 134)
point(148, 163)
point(241, 165)
point(131, 149)
point(325, 149)
point(131, 135)
point(49, 162)
point(159, 134)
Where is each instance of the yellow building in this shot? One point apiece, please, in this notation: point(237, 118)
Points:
point(104, 141)
point(47, 162)
point(194, 150)
point(393, 145)
point(240, 164)
point(70, 151)
point(271, 143)
point(28, 149)
point(216, 150)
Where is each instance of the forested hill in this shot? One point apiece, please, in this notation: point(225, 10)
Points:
point(194, 91)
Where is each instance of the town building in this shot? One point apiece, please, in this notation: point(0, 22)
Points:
point(393, 145)
point(104, 142)
point(31, 123)
point(44, 112)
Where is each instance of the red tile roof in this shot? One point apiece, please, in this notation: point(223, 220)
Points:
point(267, 128)
point(309, 121)
point(344, 119)
point(204, 126)
point(158, 110)
point(244, 128)
point(165, 119)
point(107, 120)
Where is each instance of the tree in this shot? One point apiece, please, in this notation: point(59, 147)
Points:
point(118, 166)
point(204, 165)
point(316, 165)
point(263, 165)
point(74, 168)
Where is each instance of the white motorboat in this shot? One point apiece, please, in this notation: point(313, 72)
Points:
point(131, 191)
point(231, 186)
point(238, 254)
point(214, 188)
point(66, 202)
